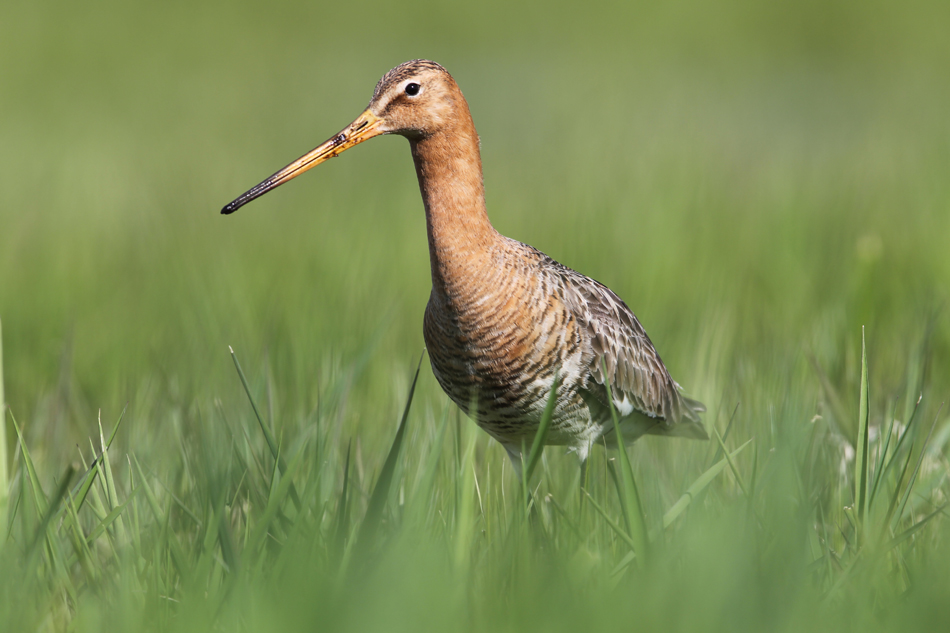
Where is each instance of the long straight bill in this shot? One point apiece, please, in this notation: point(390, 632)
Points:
point(366, 126)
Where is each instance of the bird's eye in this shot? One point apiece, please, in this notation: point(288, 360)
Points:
point(412, 89)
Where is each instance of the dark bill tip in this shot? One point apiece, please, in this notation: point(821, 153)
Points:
point(250, 194)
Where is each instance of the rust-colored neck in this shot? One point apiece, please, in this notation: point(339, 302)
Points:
point(449, 168)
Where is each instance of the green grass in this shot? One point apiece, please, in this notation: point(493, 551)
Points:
point(759, 181)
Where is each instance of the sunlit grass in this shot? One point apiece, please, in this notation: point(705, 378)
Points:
point(224, 528)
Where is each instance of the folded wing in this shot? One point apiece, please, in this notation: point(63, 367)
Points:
point(623, 357)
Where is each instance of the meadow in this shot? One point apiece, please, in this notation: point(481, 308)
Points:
point(767, 185)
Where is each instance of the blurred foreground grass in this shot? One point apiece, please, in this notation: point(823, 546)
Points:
point(757, 180)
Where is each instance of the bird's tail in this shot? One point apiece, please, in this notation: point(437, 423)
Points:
point(689, 424)
point(692, 408)
point(685, 422)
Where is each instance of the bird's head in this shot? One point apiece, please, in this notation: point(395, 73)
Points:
point(415, 99)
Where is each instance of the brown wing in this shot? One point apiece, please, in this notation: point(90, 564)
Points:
point(624, 358)
point(621, 356)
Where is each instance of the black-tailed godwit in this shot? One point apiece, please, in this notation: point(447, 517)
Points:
point(503, 318)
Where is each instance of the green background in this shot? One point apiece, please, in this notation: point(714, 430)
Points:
point(758, 180)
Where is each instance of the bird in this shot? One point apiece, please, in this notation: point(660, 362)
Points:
point(505, 323)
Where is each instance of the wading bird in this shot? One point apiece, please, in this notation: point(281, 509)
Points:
point(503, 318)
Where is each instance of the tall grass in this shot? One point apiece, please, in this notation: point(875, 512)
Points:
point(234, 532)
point(4, 485)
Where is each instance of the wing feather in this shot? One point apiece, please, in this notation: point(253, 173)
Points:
point(634, 371)
point(620, 355)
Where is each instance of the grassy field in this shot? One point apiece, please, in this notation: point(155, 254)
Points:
point(758, 181)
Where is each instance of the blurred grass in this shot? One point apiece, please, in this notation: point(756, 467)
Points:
point(757, 180)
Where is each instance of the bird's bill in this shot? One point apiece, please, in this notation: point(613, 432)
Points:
point(366, 126)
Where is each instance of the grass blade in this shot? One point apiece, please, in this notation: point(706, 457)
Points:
point(613, 524)
point(884, 446)
point(701, 482)
point(42, 532)
point(78, 538)
point(377, 500)
point(82, 487)
point(4, 482)
point(174, 547)
point(268, 434)
point(273, 504)
point(732, 463)
point(423, 490)
point(721, 448)
point(39, 496)
point(900, 441)
point(111, 492)
point(342, 525)
point(112, 516)
point(909, 532)
point(537, 446)
point(632, 507)
point(913, 476)
point(465, 506)
point(861, 442)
